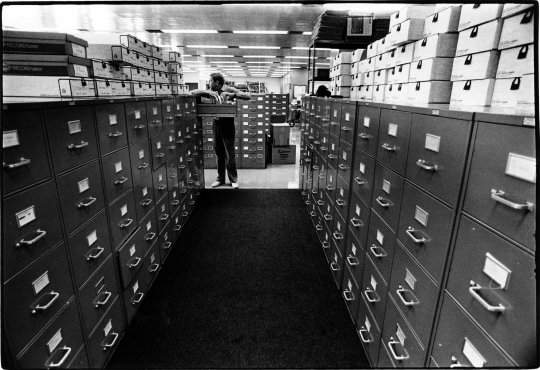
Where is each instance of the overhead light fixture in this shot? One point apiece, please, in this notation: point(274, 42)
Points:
point(188, 31)
point(259, 56)
point(261, 32)
point(266, 4)
point(307, 33)
point(289, 62)
point(295, 57)
point(260, 62)
point(216, 56)
point(307, 48)
point(224, 61)
point(208, 46)
point(259, 47)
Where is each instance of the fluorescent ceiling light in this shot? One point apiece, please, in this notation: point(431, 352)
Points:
point(260, 32)
point(217, 56)
point(261, 62)
point(295, 57)
point(224, 61)
point(377, 8)
point(259, 47)
point(208, 46)
point(188, 31)
point(307, 48)
point(259, 56)
point(288, 62)
point(307, 33)
point(267, 4)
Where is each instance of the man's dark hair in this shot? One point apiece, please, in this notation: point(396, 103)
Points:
point(218, 77)
point(323, 91)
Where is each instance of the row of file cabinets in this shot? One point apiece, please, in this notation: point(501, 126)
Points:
point(72, 290)
point(400, 257)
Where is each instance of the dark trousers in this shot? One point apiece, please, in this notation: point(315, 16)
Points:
point(224, 146)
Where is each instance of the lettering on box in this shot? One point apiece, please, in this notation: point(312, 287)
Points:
point(123, 210)
point(54, 341)
point(41, 282)
point(421, 216)
point(78, 50)
point(141, 154)
point(10, 139)
point(74, 127)
point(118, 167)
point(91, 238)
point(353, 249)
point(83, 185)
point(471, 353)
point(136, 287)
point(410, 279)
point(108, 327)
point(380, 237)
point(25, 216)
point(367, 324)
point(400, 335)
point(362, 168)
point(113, 120)
point(496, 271)
point(132, 250)
point(357, 210)
point(386, 186)
point(148, 225)
point(392, 129)
point(366, 121)
point(521, 167)
point(433, 142)
point(373, 282)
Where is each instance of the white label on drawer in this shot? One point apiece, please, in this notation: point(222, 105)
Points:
point(421, 216)
point(392, 129)
point(118, 167)
point(91, 238)
point(154, 111)
point(373, 282)
point(135, 287)
point(171, 138)
point(433, 142)
point(335, 257)
point(338, 224)
point(344, 156)
point(333, 147)
point(78, 50)
point(260, 140)
point(367, 324)
point(246, 155)
point(113, 120)
point(335, 113)
point(177, 106)
point(137, 114)
point(259, 107)
point(168, 108)
point(245, 123)
point(528, 121)
point(132, 250)
point(353, 249)
point(9, 139)
point(141, 154)
point(498, 272)
point(158, 145)
point(386, 186)
point(144, 191)
point(25, 216)
point(148, 225)
point(472, 354)
point(341, 192)
point(366, 121)
point(259, 115)
point(166, 236)
point(160, 177)
point(41, 282)
point(123, 210)
point(74, 127)
point(83, 185)
point(400, 335)
point(246, 148)
point(174, 194)
point(521, 167)
point(347, 117)
point(259, 132)
point(380, 237)
point(362, 168)
point(107, 329)
point(54, 341)
point(245, 115)
point(349, 285)
point(152, 258)
point(410, 279)
point(246, 132)
point(210, 139)
point(357, 210)
point(163, 208)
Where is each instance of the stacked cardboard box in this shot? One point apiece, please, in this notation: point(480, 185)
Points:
point(340, 74)
point(357, 56)
point(176, 76)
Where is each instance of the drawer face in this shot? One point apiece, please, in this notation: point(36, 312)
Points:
point(133, 297)
point(425, 225)
point(327, 213)
point(404, 349)
point(137, 124)
point(367, 132)
point(89, 246)
point(393, 144)
point(162, 211)
point(111, 126)
point(339, 231)
point(459, 341)
point(31, 226)
point(170, 146)
point(336, 264)
point(502, 176)
point(167, 112)
point(58, 342)
point(178, 220)
point(159, 177)
point(42, 288)
point(358, 217)
point(437, 151)
point(345, 162)
point(387, 195)
point(489, 272)
point(140, 156)
point(98, 294)
point(72, 136)
point(331, 184)
point(123, 218)
point(143, 190)
point(165, 242)
point(130, 256)
point(363, 177)
point(158, 149)
point(24, 148)
point(374, 291)
point(151, 266)
point(117, 174)
point(368, 331)
point(80, 361)
point(81, 194)
point(380, 245)
point(335, 118)
point(342, 198)
point(348, 122)
point(354, 257)
point(149, 229)
point(414, 292)
point(350, 292)
point(153, 116)
point(107, 335)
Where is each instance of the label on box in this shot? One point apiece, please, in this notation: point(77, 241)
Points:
point(91, 238)
point(74, 127)
point(54, 341)
point(41, 282)
point(353, 249)
point(380, 237)
point(473, 356)
point(25, 216)
point(433, 142)
point(386, 186)
point(357, 210)
point(154, 111)
point(366, 121)
point(10, 138)
point(409, 278)
point(392, 129)
point(118, 167)
point(496, 271)
point(362, 168)
point(107, 328)
point(373, 283)
point(367, 324)
point(528, 121)
point(400, 335)
point(78, 50)
point(132, 250)
point(135, 287)
point(123, 210)
point(421, 216)
point(83, 185)
point(521, 167)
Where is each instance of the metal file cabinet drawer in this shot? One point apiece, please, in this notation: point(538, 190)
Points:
point(162, 212)
point(380, 245)
point(363, 177)
point(436, 157)
point(34, 296)
point(151, 266)
point(89, 246)
point(72, 136)
point(399, 340)
point(81, 194)
point(106, 335)
point(117, 174)
point(494, 280)
point(348, 122)
point(424, 229)
point(328, 214)
point(393, 144)
point(159, 177)
point(143, 190)
point(414, 292)
point(136, 119)
point(387, 195)
point(333, 151)
point(501, 190)
point(170, 148)
point(459, 342)
point(178, 220)
point(123, 218)
point(342, 198)
point(24, 149)
point(167, 112)
point(368, 331)
point(175, 198)
point(354, 258)
point(339, 231)
point(149, 229)
point(158, 149)
point(31, 226)
point(350, 292)
point(80, 360)
point(336, 264)
point(58, 344)
point(358, 219)
point(367, 130)
point(165, 242)
point(326, 243)
point(153, 116)
point(98, 294)
point(111, 127)
point(133, 297)
point(331, 184)
point(345, 162)
point(335, 118)
point(374, 290)
point(130, 256)
point(140, 158)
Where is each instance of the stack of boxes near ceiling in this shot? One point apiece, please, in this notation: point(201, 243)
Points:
point(340, 74)
point(176, 76)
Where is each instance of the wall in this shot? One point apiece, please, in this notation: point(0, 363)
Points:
point(295, 77)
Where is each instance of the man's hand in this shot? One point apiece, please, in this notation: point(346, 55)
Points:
point(214, 95)
point(228, 95)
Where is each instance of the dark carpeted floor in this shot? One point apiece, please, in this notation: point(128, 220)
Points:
point(247, 286)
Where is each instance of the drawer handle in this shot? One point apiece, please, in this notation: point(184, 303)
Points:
point(401, 294)
point(22, 162)
point(383, 202)
point(312, 214)
point(150, 236)
point(428, 166)
point(160, 155)
point(320, 202)
point(169, 118)
point(175, 202)
point(166, 245)
point(137, 298)
point(325, 245)
point(356, 222)
point(191, 202)
point(110, 344)
point(132, 264)
point(102, 299)
point(156, 122)
point(39, 234)
point(172, 176)
point(474, 290)
point(410, 232)
point(94, 253)
point(171, 147)
point(360, 181)
point(323, 148)
point(316, 142)
point(115, 134)
point(185, 214)
point(86, 202)
point(343, 167)
point(364, 136)
point(346, 128)
point(374, 248)
point(60, 362)
point(179, 141)
point(121, 180)
point(164, 216)
point(81, 145)
point(178, 115)
point(125, 224)
point(371, 295)
point(139, 127)
point(348, 295)
point(388, 147)
point(39, 307)
point(498, 196)
point(455, 363)
point(162, 187)
point(322, 175)
point(177, 227)
point(315, 167)
point(363, 338)
point(153, 267)
point(318, 227)
point(146, 202)
point(330, 188)
point(332, 156)
point(397, 357)
point(337, 236)
point(334, 266)
point(307, 202)
point(142, 166)
point(327, 217)
point(182, 166)
point(340, 202)
point(352, 261)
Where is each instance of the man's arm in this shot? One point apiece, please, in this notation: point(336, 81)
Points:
point(237, 93)
point(205, 93)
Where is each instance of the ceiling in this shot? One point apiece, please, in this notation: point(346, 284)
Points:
point(187, 27)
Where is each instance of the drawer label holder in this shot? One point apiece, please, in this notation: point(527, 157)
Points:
point(521, 167)
point(10, 139)
point(25, 216)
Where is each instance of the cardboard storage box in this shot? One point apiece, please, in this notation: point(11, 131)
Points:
point(411, 11)
point(440, 45)
point(402, 73)
point(384, 44)
point(516, 62)
point(138, 74)
point(517, 92)
point(343, 80)
point(52, 43)
point(514, 8)
point(479, 38)
point(174, 56)
point(404, 54)
point(380, 61)
point(475, 14)
point(162, 89)
point(354, 67)
point(517, 30)
point(284, 154)
point(344, 91)
point(133, 43)
point(104, 69)
point(437, 69)
point(366, 92)
point(161, 77)
point(398, 94)
point(409, 30)
point(46, 65)
point(142, 88)
point(280, 134)
point(391, 75)
point(472, 92)
point(368, 77)
point(343, 58)
point(355, 92)
point(443, 21)
point(378, 93)
point(429, 92)
point(366, 65)
point(372, 49)
point(379, 77)
point(358, 55)
point(157, 52)
point(160, 65)
point(47, 86)
point(112, 88)
point(475, 66)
